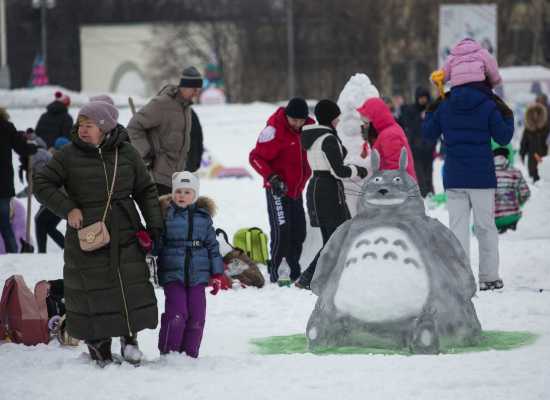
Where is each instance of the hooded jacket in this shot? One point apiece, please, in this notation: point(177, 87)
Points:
point(468, 119)
point(391, 138)
point(535, 135)
point(411, 121)
point(279, 151)
point(160, 131)
point(512, 190)
point(54, 123)
point(469, 62)
point(205, 258)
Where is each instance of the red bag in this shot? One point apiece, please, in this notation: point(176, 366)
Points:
point(22, 319)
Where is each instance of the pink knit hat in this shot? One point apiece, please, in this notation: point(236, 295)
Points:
point(102, 113)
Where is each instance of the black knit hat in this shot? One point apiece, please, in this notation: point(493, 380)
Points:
point(326, 111)
point(297, 108)
point(191, 78)
point(501, 151)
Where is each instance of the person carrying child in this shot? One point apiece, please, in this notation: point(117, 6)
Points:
point(188, 256)
point(512, 192)
point(468, 117)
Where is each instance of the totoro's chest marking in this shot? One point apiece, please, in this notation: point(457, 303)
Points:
point(384, 277)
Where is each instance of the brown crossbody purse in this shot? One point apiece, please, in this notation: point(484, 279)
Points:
point(96, 235)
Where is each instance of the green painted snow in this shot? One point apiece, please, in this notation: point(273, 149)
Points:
point(297, 344)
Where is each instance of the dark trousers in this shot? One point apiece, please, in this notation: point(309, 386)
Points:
point(46, 224)
point(423, 167)
point(287, 221)
point(326, 233)
point(5, 226)
point(163, 189)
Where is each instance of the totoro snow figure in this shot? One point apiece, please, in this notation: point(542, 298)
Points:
point(392, 277)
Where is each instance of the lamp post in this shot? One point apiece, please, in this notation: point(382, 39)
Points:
point(290, 48)
point(43, 5)
point(4, 69)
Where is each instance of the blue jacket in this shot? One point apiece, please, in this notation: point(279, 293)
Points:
point(468, 120)
point(205, 259)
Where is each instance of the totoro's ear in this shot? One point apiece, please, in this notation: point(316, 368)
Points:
point(403, 159)
point(375, 160)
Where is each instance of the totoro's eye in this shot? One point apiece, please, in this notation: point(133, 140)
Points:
point(397, 180)
point(378, 179)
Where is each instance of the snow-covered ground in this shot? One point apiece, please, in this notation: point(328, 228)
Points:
point(228, 367)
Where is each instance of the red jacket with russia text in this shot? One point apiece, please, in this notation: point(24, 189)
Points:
point(279, 151)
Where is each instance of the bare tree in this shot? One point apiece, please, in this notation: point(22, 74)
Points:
point(176, 46)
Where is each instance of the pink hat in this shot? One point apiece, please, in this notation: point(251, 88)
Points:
point(103, 114)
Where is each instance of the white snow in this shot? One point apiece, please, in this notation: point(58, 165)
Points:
point(227, 366)
point(375, 287)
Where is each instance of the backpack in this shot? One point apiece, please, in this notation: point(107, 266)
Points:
point(23, 315)
point(253, 241)
point(239, 266)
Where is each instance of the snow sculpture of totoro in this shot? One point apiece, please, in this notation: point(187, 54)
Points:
point(393, 277)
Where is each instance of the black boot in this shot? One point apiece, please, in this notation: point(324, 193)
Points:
point(100, 351)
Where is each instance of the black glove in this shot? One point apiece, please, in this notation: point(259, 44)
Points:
point(278, 186)
point(361, 172)
point(432, 107)
point(503, 107)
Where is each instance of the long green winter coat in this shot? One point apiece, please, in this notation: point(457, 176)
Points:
point(107, 291)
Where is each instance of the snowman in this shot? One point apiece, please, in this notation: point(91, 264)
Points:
point(393, 277)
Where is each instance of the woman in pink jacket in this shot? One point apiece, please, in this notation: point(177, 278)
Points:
point(385, 135)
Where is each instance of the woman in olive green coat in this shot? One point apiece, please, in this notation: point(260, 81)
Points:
point(107, 291)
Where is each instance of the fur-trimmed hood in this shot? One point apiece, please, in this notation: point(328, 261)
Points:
point(536, 117)
point(203, 202)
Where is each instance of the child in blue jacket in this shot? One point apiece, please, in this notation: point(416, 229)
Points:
point(468, 117)
point(188, 257)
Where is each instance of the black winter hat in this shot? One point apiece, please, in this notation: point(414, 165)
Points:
point(326, 111)
point(501, 151)
point(297, 108)
point(191, 78)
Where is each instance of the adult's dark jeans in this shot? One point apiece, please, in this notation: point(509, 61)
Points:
point(46, 224)
point(5, 226)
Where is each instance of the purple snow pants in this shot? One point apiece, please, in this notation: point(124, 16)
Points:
point(182, 323)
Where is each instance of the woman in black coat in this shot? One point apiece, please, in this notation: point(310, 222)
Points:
point(326, 201)
point(10, 140)
point(107, 291)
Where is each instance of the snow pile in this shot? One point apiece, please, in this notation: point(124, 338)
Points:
point(44, 95)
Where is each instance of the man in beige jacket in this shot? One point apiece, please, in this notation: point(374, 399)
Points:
point(160, 131)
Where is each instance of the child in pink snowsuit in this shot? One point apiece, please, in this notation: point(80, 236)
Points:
point(469, 62)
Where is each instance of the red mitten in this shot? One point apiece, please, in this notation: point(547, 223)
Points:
point(216, 281)
point(144, 240)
